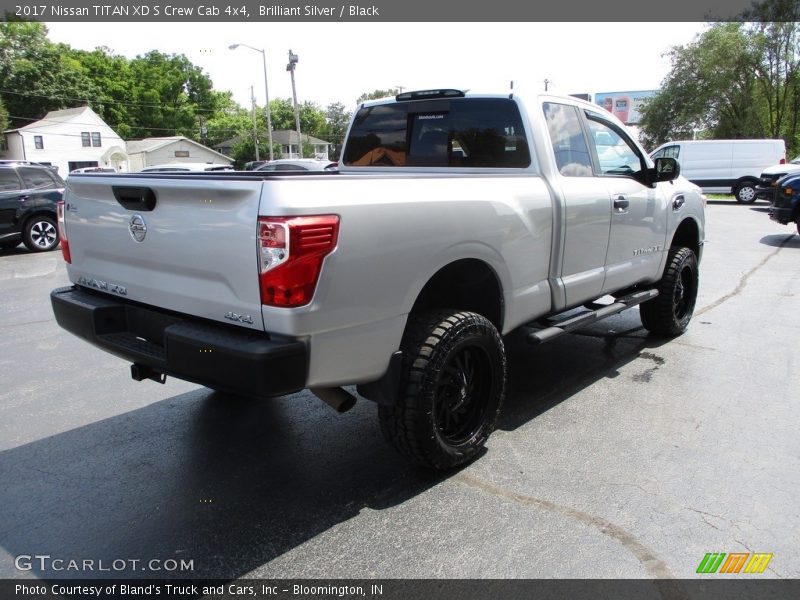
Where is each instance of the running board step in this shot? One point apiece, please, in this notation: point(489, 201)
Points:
point(587, 318)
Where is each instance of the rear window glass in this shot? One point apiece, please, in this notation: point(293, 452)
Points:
point(466, 133)
point(39, 178)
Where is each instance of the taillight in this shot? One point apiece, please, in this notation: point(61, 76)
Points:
point(62, 232)
point(783, 161)
point(291, 251)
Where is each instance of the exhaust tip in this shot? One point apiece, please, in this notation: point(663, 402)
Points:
point(337, 398)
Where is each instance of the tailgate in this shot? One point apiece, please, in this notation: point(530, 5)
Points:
point(186, 244)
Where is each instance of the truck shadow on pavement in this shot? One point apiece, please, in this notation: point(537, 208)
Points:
point(542, 377)
point(780, 240)
point(231, 485)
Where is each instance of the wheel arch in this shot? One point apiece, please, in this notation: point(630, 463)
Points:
point(467, 284)
point(687, 235)
point(37, 212)
point(743, 179)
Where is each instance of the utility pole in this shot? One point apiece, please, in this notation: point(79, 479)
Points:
point(255, 127)
point(266, 92)
point(293, 59)
point(547, 82)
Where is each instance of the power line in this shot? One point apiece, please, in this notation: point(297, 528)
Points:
point(103, 101)
point(95, 125)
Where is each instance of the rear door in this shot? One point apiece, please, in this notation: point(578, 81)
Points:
point(183, 243)
point(587, 213)
point(10, 192)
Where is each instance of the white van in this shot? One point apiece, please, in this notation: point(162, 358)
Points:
point(725, 166)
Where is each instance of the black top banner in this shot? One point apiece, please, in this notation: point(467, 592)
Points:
point(379, 11)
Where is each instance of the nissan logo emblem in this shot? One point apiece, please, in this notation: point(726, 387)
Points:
point(138, 228)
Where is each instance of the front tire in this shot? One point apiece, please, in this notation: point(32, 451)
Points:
point(745, 192)
point(452, 388)
point(669, 313)
point(41, 234)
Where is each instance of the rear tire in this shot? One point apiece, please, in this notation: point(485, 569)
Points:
point(745, 192)
point(452, 387)
point(41, 234)
point(669, 313)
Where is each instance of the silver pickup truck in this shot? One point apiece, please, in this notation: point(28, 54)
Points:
point(454, 219)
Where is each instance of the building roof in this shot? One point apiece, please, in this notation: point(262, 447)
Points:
point(58, 116)
point(154, 143)
point(289, 136)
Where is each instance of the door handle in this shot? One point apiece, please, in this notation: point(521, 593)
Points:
point(677, 202)
point(621, 203)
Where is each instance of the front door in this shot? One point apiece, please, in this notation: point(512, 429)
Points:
point(638, 211)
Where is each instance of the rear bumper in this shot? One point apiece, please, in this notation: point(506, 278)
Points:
point(214, 355)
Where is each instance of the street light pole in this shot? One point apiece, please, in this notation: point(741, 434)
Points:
point(266, 92)
point(293, 59)
point(255, 128)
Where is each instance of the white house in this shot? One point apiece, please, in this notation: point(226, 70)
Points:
point(287, 138)
point(167, 150)
point(69, 139)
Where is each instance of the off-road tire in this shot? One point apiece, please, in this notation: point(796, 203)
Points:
point(669, 313)
point(452, 388)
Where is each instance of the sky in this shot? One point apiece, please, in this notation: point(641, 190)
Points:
point(340, 61)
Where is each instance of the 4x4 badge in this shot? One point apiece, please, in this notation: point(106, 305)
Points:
point(138, 228)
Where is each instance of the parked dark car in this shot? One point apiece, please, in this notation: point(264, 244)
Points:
point(254, 164)
point(28, 197)
point(785, 206)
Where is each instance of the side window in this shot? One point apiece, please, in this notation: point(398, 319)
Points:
point(569, 144)
point(35, 178)
point(671, 152)
point(616, 154)
point(9, 182)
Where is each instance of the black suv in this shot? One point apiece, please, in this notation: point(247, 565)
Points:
point(28, 197)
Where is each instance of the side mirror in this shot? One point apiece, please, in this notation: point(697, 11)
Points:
point(666, 169)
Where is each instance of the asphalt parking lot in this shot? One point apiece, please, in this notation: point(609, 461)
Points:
point(617, 455)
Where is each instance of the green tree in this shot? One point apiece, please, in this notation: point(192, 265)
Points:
point(168, 93)
point(37, 76)
point(228, 120)
point(735, 80)
point(337, 120)
point(109, 75)
point(4, 123)
point(312, 118)
point(710, 87)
